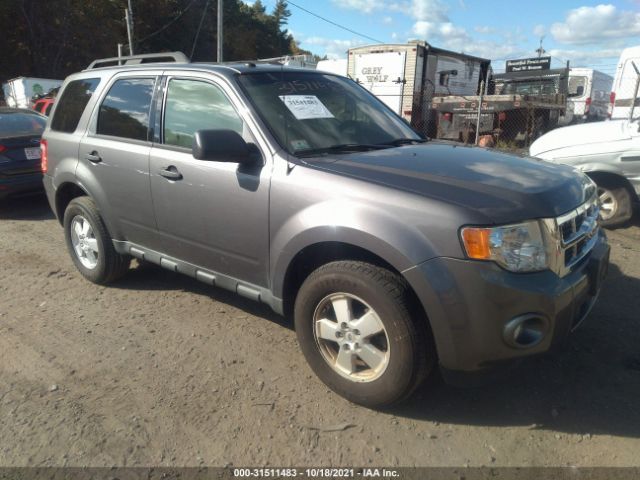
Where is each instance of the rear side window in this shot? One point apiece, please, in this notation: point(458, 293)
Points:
point(125, 110)
point(72, 103)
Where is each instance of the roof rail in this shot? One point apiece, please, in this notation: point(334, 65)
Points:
point(176, 57)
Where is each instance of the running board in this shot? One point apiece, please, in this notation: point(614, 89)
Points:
point(247, 290)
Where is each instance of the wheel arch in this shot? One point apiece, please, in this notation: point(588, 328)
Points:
point(312, 256)
point(66, 192)
point(612, 175)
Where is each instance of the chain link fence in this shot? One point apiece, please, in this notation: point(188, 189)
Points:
point(510, 115)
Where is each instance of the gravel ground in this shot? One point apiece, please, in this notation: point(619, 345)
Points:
point(159, 369)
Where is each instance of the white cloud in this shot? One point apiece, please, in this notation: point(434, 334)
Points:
point(332, 48)
point(387, 20)
point(590, 25)
point(539, 30)
point(603, 59)
point(484, 29)
point(366, 6)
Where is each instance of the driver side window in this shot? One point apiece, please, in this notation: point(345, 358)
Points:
point(196, 105)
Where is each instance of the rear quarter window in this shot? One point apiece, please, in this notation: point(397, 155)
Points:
point(72, 103)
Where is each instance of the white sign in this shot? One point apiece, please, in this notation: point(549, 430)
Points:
point(306, 107)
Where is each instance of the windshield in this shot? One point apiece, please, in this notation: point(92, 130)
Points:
point(312, 112)
point(540, 87)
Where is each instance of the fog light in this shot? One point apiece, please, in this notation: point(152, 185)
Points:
point(525, 331)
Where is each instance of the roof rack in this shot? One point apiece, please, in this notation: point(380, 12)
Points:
point(169, 57)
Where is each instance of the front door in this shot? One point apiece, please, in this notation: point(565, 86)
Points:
point(211, 214)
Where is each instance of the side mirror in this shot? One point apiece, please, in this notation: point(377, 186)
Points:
point(221, 146)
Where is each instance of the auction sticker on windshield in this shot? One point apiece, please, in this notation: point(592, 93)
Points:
point(306, 107)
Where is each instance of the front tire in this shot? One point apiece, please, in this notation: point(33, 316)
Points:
point(615, 203)
point(89, 243)
point(360, 332)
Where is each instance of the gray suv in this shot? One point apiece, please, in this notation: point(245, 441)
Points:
point(393, 254)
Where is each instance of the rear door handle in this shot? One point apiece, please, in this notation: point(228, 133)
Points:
point(93, 157)
point(171, 173)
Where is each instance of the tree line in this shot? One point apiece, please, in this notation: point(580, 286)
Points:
point(53, 38)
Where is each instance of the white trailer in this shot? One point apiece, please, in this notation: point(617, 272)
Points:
point(407, 76)
point(588, 95)
point(625, 100)
point(18, 91)
point(337, 66)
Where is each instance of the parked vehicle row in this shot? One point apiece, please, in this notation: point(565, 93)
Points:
point(609, 152)
point(394, 255)
point(20, 168)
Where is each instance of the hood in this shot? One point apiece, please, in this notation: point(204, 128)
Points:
point(584, 134)
point(504, 188)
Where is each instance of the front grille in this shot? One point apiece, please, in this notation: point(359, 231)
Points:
point(578, 231)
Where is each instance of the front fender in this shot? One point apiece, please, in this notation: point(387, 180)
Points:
point(592, 167)
point(400, 244)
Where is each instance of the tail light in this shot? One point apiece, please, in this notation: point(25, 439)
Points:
point(587, 105)
point(2, 148)
point(447, 116)
point(612, 102)
point(44, 156)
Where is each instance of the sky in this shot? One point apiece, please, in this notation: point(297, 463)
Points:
point(588, 34)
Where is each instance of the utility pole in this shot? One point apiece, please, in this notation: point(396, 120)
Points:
point(128, 16)
point(220, 35)
point(119, 53)
point(541, 50)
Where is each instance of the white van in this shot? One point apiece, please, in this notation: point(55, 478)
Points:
point(624, 93)
point(589, 92)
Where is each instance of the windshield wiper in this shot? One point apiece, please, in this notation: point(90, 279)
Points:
point(341, 148)
point(404, 141)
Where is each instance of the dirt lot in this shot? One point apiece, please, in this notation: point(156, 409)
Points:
point(159, 369)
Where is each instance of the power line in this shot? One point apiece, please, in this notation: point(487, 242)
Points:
point(163, 28)
point(334, 23)
point(195, 40)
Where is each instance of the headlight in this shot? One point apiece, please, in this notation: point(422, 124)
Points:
point(518, 248)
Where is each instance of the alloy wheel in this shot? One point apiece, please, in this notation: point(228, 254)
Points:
point(351, 337)
point(85, 244)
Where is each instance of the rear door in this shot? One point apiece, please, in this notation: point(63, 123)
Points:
point(210, 214)
point(114, 156)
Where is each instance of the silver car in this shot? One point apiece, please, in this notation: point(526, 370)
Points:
point(394, 255)
point(609, 152)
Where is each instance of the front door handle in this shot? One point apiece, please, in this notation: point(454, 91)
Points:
point(93, 157)
point(171, 173)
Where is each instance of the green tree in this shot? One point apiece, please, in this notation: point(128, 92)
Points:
point(55, 38)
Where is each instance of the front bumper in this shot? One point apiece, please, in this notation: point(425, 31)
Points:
point(469, 303)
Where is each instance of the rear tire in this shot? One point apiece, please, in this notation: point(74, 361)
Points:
point(615, 203)
point(361, 333)
point(90, 245)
